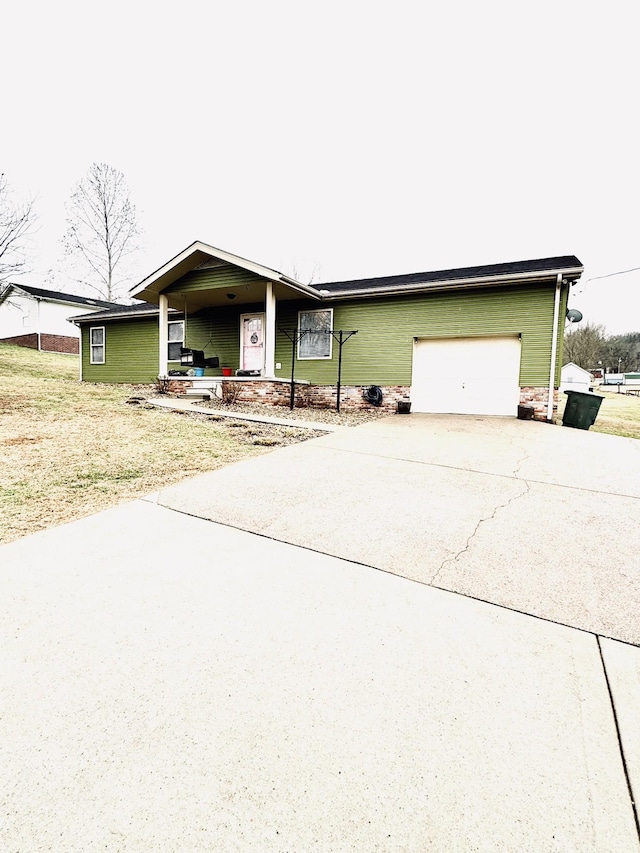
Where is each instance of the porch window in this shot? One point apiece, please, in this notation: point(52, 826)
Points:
point(176, 339)
point(96, 344)
point(317, 342)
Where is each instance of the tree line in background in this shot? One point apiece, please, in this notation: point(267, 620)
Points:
point(100, 243)
point(590, 348)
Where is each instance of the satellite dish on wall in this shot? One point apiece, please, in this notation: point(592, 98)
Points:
point(573, 315)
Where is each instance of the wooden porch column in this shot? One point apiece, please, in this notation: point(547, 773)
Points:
point(163, 336)
point(270, 331)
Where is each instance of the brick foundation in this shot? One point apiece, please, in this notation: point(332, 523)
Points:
point(275, 393)
point(538, 398)
point(59, 343)
point(172, 386)
point(30, 341)
point(267, 393)
point(48, 343)
point(352, 397)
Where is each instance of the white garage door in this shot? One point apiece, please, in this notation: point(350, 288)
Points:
point(466, 376)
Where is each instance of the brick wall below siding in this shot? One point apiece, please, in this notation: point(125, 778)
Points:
point(276, 393)
point(172, 386)
point(352, 397)
point(315, 396)
point(48, 343)
point(268, 393)
point(59, 343)
point(538, 398)
point(30, 341)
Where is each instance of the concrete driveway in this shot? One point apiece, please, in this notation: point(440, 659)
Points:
point(222, 666)
point(536, 518)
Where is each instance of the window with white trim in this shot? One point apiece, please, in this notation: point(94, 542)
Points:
point(316, 343)
point(97, 344)
point(176, 339)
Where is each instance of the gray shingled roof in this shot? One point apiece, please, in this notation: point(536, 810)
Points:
point(59, 296)
point(568, 264)
point(413, 280)
point(138, 309)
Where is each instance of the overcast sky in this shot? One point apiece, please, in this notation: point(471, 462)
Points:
point(345, 139)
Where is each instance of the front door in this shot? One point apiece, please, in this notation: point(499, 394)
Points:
point(252, 342)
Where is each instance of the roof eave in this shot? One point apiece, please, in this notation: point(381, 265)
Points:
point(304, 289)
point(74, 303)
point(459, 284)
point(67, 302)
point(124, 315)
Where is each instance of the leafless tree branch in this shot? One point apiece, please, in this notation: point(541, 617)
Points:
point(16, 221)
point(102, 230)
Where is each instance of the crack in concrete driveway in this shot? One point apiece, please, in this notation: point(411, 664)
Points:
point(481, 521)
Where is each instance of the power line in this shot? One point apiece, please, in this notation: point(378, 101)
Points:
point(609, 275)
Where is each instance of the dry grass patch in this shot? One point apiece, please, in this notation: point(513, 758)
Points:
point(619, 414)
point(70, 449)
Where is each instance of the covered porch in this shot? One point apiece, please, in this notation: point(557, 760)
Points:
point(210, 300)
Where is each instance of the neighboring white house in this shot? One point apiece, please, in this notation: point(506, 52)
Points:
point(574, 378)
point(36, 318)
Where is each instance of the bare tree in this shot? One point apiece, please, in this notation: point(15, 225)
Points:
point(16, 220)
point(584, 345)
point(102, 231)
point(300, 272)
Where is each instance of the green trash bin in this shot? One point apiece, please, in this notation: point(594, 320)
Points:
point(581, 409)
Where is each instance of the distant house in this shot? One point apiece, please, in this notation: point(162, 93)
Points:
point(574, 378)
point(37, 318)
point(475, 340)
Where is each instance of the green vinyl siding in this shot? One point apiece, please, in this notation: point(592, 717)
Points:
point(213, 279)
point(381, 353)
point(131, 346)
point(131, 352)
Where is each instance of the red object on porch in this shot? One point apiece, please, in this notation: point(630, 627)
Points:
point(226, 371)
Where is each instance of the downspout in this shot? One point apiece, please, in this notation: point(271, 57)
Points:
point(554, 348)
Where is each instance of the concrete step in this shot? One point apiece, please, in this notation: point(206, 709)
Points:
point(198, 393)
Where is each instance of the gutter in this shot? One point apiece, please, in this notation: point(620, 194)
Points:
point(92, 318)
point(307, 289)
point(453, 284)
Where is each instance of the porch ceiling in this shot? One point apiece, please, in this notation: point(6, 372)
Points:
point(217, 297)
